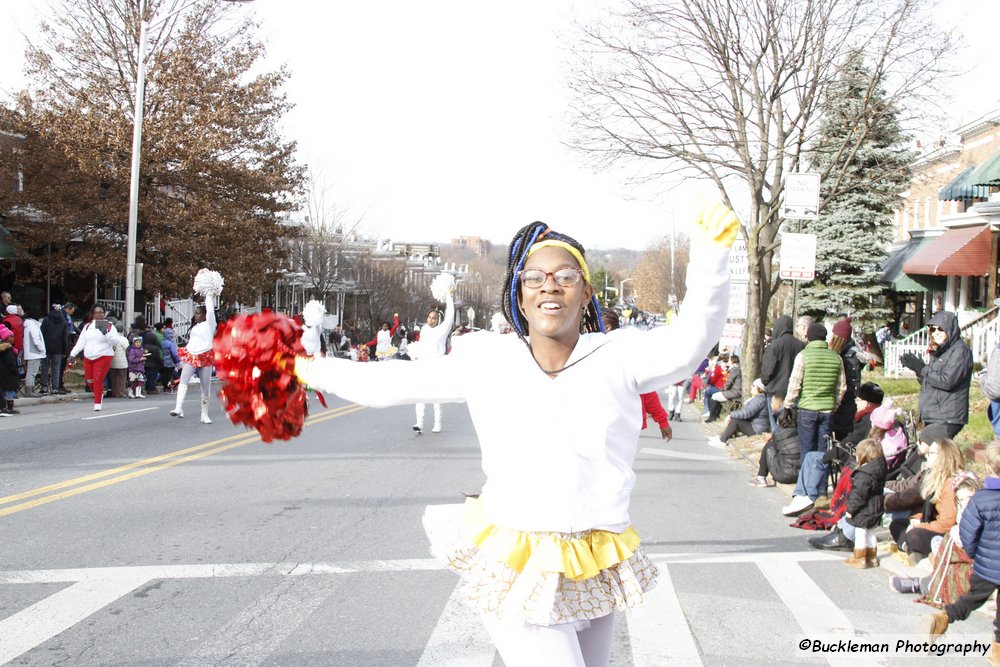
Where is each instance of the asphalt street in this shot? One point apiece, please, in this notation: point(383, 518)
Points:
point(129, 537)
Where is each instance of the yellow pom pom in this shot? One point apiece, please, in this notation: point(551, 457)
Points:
point(716, 223)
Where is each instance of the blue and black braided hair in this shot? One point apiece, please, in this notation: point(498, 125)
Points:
point(518, 253)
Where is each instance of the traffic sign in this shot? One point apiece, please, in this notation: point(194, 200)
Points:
point(798, 256)
point(801, 197)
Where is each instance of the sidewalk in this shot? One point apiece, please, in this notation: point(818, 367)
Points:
point(749, 447)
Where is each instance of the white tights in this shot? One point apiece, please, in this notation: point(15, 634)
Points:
point(865, 539)
point(523, 645)
point(437, 415)
point(204, 376)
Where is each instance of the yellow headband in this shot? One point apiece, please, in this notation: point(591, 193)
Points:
point(553, 243)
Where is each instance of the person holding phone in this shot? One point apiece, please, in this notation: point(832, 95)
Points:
point(96, 342)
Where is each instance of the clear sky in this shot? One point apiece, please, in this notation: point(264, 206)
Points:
point(447, 118)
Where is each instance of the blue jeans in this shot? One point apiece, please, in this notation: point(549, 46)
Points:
point(814, 428)
point(709, 390)
point(846, 528)
point(770, 414)
point(812, 476)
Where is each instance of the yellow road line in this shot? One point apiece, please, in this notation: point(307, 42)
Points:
point(184, 456)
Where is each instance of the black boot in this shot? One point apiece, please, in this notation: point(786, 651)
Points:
point(835, 540)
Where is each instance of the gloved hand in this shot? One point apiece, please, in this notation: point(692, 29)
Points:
point(716, 224)
point(913, 362)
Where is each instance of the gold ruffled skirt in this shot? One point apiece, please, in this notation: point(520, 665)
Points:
point(542, 578)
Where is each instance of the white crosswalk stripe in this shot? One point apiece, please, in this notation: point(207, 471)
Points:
point(657, 634)
point(459, 638)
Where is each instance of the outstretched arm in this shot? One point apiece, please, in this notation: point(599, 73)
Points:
point(671, 353)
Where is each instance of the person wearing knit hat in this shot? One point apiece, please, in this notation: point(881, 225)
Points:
point(816, 331)
point(816, 387)
point(9, 378)
point(15, 323)
point(854, 360)
point(843, 329)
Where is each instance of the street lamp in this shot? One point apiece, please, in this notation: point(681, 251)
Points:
point(133, 201)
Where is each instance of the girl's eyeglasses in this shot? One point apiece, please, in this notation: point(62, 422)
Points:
point(535, 278)
point(932, 329)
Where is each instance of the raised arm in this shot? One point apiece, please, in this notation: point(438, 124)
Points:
point(670, 353)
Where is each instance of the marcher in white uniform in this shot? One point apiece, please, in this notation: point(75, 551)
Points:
point(433, 344)
point(548, 550)
point(196, 358)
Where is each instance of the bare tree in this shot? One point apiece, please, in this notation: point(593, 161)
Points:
point(730, 91)
point(317, 250)
point(383, 281)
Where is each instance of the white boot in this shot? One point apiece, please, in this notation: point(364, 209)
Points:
point(419, 425)
point(437, 418)
point(178, 411)
point(131, 394)
point(138, 392)
point(204, 412)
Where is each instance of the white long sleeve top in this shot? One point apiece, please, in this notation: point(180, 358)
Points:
point(94, 343)
point(201, 335)
point(557, 452)
point(434, 340)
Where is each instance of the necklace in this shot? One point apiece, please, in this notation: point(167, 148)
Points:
point(556, 372)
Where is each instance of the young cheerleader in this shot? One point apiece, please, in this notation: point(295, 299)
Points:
point(196, 358)
point(549, 552)
point(865, 503)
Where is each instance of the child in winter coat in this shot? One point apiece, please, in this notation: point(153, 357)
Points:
point(865, 503)
point(980, 532)
point(136, 354)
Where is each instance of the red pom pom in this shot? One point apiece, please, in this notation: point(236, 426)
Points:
point(255, 358)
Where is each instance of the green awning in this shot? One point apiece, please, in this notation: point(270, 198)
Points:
point(963, 189)
point(988, 173)
point(892, 270)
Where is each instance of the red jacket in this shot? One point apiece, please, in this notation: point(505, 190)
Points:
point(651, 404)
point(16, 324)
point(718, 379)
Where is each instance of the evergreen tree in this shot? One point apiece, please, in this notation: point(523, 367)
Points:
point(855, 227)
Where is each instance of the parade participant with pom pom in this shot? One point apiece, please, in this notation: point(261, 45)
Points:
point(312, 319)
point(433, 342)
point(548, 549)
point(196, 356)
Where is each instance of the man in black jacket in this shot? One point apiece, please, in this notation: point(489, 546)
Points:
point(776, 366)
point(56, 337)
point(945, 380)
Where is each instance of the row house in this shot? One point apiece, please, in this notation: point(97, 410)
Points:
point(944, 253)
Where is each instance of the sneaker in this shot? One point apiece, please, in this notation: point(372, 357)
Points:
point(714, 441)
point(908, 585)
point(98, 407)
point(798, 505)
point(759, 482)
point(706, 415)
